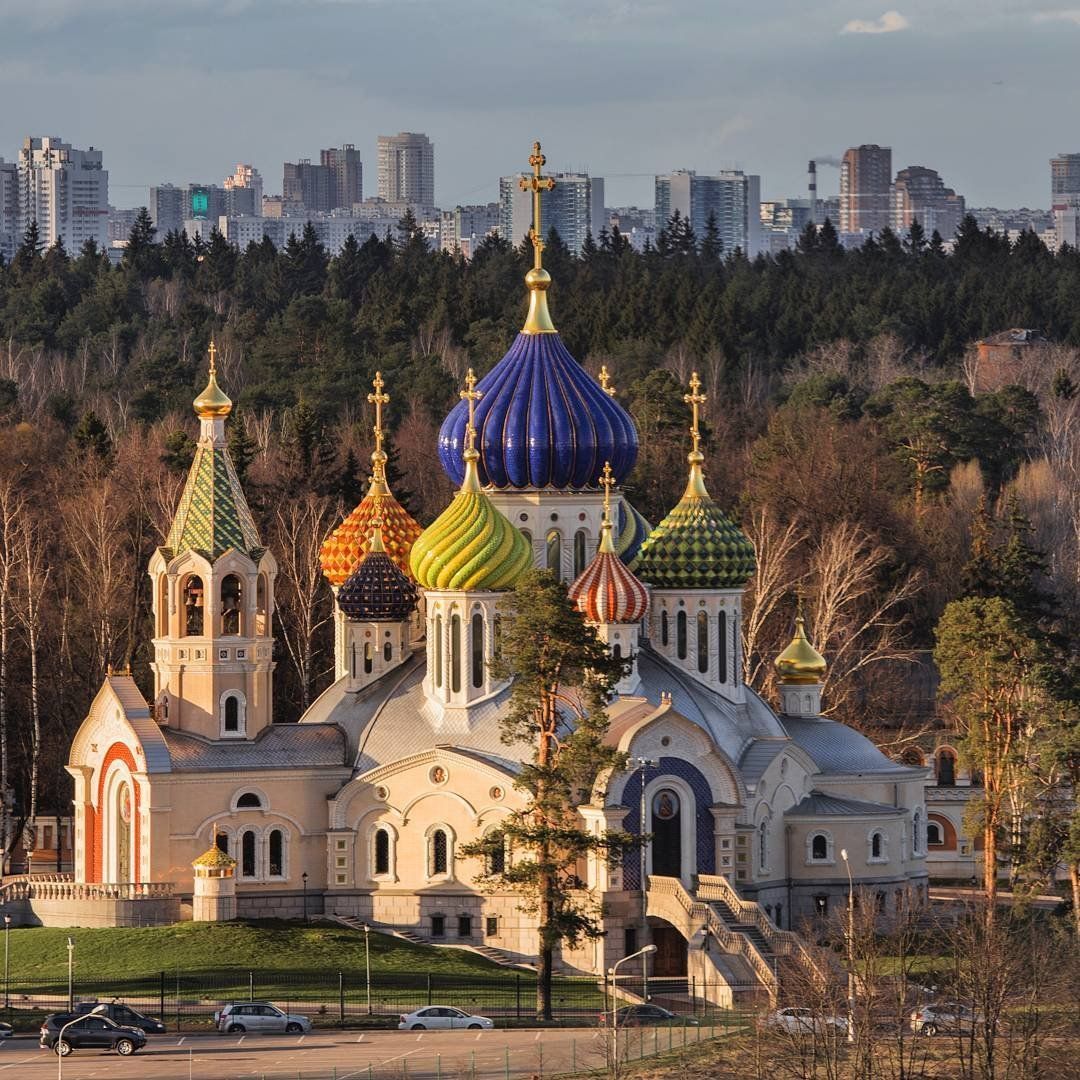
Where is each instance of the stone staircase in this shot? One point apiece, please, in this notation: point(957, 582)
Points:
point(748, 930)
point(494, 955)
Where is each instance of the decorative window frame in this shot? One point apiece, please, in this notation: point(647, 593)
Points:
point(248, 789)
point(940, 842)
point(870, 856)
point(429, 854)
point(241, 714)
point(763, 843)
point(264, 849)
point(830, 850)
point(391, 875)
point(239, 853)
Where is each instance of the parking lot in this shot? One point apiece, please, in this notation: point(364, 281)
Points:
point(378, 1055)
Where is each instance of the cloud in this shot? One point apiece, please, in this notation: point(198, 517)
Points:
point(1062, 15)
point(889, 23)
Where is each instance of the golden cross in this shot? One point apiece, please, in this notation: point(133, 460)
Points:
point(213, 357)
point(472, 396)
point(607, 482)
point(605, 382)
point(378, 399)
point(695, 400)
point(536, 183)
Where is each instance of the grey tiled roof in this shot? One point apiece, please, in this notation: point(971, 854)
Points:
point(279, 746)
point(758, 756)
point(137, 714)
point(837, 748)
point(820, 804)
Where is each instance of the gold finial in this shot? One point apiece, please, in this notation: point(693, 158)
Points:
point(375, 542)
point(607, 482)
point(695, 488)
point(605, 382)
point(213, 403)
point(378, 456)
point(538, 321)
point(471, 455)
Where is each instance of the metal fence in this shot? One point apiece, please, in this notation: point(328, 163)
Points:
point(187, 1001)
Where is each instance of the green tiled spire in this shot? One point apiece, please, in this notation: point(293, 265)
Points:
point(213, 515)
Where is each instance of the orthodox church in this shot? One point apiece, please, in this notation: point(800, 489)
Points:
point(756, 815)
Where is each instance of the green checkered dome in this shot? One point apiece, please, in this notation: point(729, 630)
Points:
point(697, 546)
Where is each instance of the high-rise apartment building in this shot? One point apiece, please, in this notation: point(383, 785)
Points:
point(919, 194)
point(346, 175)
point(865, 180)
point(9, 209)
point(573, 208)
point(1064, 181)
point(166, 208)
point(305, 186)
point(406, 169)
point(244, 192)
point(464, 227)
point(66, 191)
point(731, 198)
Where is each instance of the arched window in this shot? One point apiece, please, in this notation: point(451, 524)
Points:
point(579, 551)
point(946, 768)
point(262, 622)
point(916, 833)
point(382, 851)
point(163, 607)
point(232, 716)
point(763, 844)
point(477, 649)
point(680, 635)
point(231, 601)
point(819, 847)
point(247, 854)
point(934, 836)
point(877, 846)
point(554, 552)
point(275, 850)
point(528, 537)
point(702, 642)
point(616, 651)
point(249, 801)
point(721, 647)
point(439, 853)
point(664, 629)
point(221, 842)
point(387, 651)
point(438, 650)
point(455, 653)
point(193, 606)
point(369, 658)
point(495, 856)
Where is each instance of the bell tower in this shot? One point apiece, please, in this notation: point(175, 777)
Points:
point(213, 596)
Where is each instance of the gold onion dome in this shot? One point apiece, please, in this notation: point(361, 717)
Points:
point(213, 402)
point(346, 546)
point(800, 662)
point(697, 546)
point(470, 545)
point(213, 858)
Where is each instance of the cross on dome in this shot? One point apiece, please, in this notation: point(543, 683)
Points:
point(472, 396)
point(213, 403)
point(536, 184)
point(605, 382)
point(212, 350)
point(695, 400)
point(378, 399)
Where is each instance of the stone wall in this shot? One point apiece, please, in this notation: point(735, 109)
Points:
point(94, 912)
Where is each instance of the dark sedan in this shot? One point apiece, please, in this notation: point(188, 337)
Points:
point(648, 1015)
point(64, 1032)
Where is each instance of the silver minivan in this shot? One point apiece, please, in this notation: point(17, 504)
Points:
point(261, 1016)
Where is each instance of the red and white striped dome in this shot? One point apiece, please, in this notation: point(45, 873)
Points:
point(606, 591)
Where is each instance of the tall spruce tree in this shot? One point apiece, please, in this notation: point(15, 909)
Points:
point(563, 677)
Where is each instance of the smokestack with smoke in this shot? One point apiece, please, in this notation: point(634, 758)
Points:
point(811, 171)
point(828, 160)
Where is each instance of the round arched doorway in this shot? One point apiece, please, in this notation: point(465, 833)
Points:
point(667, 833)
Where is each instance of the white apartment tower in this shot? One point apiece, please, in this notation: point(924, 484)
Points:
point(406, 169)
point(9, 209)
point(66, 191)
point(732, 198)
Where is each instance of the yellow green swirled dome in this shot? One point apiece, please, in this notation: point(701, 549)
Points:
point(470, 546)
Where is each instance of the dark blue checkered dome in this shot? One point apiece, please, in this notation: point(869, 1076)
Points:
point(543, 422)
point(377, 591)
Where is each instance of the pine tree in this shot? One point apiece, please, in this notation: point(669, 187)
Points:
point(179, 452)
point(563, 676)
point(143, 254)
point(712, 246)
point(242, 446)
point(92, 437)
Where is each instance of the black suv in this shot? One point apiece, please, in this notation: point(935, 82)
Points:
point(88, 1033)
point(121, 1014)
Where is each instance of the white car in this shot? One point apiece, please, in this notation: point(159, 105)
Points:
point(943, 1017)
point(245, 1016)
point(442, 1016)
point(805, 1021)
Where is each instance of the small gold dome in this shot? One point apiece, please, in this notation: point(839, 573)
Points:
point(800, 662)
point(213, 402)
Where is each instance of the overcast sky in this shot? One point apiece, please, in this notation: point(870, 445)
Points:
point(985, 91)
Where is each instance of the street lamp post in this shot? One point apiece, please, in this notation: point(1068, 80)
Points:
point(613, 975)
point(71, 973)
point(303, 878)
point(640, 765)
point(60, 1042)
point(367, 965)
point(7, 961)
point(850, 948)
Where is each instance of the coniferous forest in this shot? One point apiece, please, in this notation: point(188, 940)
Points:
point(847, 431)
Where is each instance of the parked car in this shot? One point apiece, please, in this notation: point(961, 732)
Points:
point(648, 1015)
point(238, 1017)
point(121, 1014)
point(944, 1017)
point(6, 1031)
point(442, 1016)
point(800, 1021)
point(88, 1033)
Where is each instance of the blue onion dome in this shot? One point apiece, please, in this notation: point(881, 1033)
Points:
point(543, 421)
point(631, 530)
point(377, 590)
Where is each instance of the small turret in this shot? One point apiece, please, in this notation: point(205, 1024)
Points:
point(801, 670)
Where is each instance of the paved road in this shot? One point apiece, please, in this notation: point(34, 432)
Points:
point(389, 1054)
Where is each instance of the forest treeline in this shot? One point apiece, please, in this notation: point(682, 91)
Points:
point(845, 432)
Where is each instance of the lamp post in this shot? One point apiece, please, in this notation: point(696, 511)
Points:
point(367, 965)
point(303, 879)
point(850, 948)
point(640, 765)
point(7, 961)
point(71, 972)
point(613, 975)
point(60, 1042)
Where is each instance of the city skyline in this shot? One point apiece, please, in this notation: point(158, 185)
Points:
point(685, 86)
